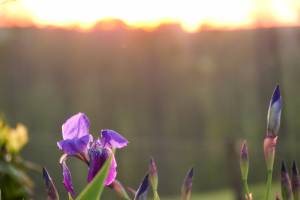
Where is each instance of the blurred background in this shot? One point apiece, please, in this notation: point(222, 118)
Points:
point(186, 97)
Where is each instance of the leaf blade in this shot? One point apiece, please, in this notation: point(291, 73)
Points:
point(94, 189)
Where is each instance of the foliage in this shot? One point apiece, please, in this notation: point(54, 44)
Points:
point(14, 182)
point(94, 189)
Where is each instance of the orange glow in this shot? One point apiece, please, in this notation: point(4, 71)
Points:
point(190, 14)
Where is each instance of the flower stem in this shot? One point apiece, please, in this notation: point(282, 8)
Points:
point(269, 183)
point(246, 187)
point(156, 196)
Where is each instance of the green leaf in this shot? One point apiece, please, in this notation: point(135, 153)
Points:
point(94, 189)
point(16, 174)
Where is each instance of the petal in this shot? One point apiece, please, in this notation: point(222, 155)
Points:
point(67, 178)
point(76, 126)
point(76, 145)
point(112, 174)
point(98, 156)
point(113, 139)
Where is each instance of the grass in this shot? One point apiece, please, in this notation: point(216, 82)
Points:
point(258, 191)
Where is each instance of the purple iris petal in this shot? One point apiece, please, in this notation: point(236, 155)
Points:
point(67, 178)
point(98, 156)
point(74, 146)
point(112, 174)
point(76, 126)
point(113, 139)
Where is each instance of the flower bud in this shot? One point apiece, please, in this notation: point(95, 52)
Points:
point(295, 181)
point(274, 113)
point(244, 160)
point(141, 193)
point(153, 177)
point(52, 193)
point(186, 189)
point(286, 187)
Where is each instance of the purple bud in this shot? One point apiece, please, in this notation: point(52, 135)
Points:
point(244, 161)
point(295, 181)
point(141, 193)
point(274, 113)
point(153, 178)
point(186, 189)
point(244, 151)
point(50, 187)
point(286, 187)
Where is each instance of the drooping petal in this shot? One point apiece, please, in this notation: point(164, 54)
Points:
point(98, 156)
point(75, 146)
point(112, 174)
point(274, 113)
point(76, 126)
point(113, 139)
point(67, 178)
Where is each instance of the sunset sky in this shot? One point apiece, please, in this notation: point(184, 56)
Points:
point(191, 14)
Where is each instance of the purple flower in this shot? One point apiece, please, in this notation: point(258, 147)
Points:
point(76, 137)
point(78, 142)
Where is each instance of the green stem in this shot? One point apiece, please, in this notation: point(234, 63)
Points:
point(296, 196)
point(246, 187)
point(156, 196)
point(269, 183)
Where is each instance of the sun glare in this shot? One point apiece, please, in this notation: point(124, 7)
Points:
point(190, 14)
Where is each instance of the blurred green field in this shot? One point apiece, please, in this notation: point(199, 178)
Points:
point(227, 194)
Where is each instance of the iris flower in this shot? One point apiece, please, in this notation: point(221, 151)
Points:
point(78, 142)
